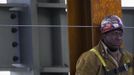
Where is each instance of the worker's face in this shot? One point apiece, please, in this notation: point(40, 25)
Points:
point(113, 39)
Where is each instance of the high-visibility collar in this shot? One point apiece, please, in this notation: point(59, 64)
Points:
point(100, 57)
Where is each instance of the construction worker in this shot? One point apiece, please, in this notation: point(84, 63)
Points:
point(108, 57)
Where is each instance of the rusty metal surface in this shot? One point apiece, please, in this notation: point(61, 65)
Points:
point(100, 9)
point(78, 15)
